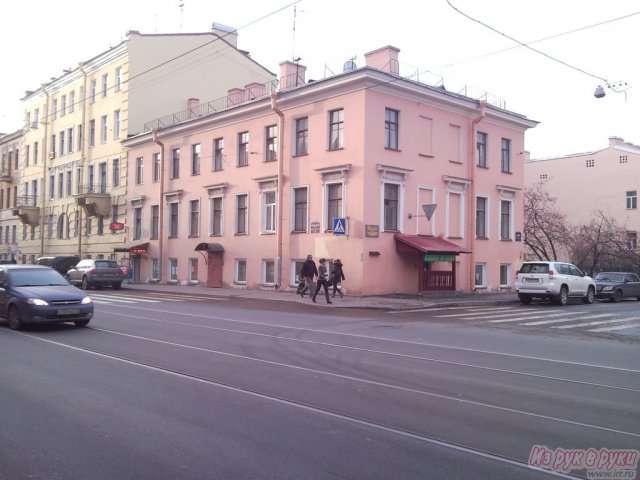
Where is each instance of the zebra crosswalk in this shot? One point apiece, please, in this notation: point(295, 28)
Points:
point(109, 298)
point(565, 320)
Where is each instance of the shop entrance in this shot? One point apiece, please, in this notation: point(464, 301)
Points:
point(213, 257)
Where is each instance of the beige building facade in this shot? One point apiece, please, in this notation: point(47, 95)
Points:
point(71, 198)
point(10, 155)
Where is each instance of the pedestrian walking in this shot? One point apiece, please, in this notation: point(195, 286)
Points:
point(323, 281)
point(308, 271)
point(337, 275)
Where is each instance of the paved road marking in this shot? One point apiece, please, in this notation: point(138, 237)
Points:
point(547, 322)
point(484, 311)
point(610, 329)
point(544, 315)
point(121, 298)
point(589, 324)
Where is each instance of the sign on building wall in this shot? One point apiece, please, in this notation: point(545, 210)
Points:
point(339, 226)
point(432, 257)
point(314, 227)
point(372, 230)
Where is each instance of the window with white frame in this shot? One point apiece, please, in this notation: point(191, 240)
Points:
point(194, 218)
point(102, 177)
point(137, 223)
point(63, 105)
point(92, 133)
point(195, 159)
point(506, 209)
point(296, 268)
point(155, 269)
point(156, 167)
point(241, 271)
point(116, 124)
point(391, 128)
point(155, 221)
point(481, 149)
point(117, 79)
point(91, 179)
point(268, 272)
point(243, 149)
point(218, 154)
point(105, 79)
point(333, 206)
point(175, 163)
point(481, 275)
point(271, 143)
point(173, 269)
point(115, 165)
point(391, 206)
point(302, 133)
point(72, 101)
point(242, 212)
point(300, 209)
point(506, 155)
point(61, 138)
point(69, 140)
point(215, 223)
point(103, 129)
point(336, 129)
point(54, 109)
point(481, 216)
point(505, 275)
point(139, 170)
point(193, 270)
point(632, 240)
point(632, 199)
point(173, 219)
point(268, 211)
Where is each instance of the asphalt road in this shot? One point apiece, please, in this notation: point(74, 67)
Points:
point(170, 387)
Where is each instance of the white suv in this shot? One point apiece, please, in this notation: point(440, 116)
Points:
point(555, 280)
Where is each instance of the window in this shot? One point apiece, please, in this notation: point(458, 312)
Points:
point(114, 214)
point(105, 79)
point(271, 147)
point(116, 124)
point(13, 234)
point(103, 129)
point(218, 154)
point(52, 186)
point(60, 226)
point(241, 214)
point(156, 167)
point(63, 105)
point(194, 218)
point(241, 271)
point(632, 199)
point(481, 217)
point(115, 165)
point(54, 108)
point(173, 220)
point(175, 163)
point(92, 91)
point(391, 125)
point(35, 153)
point(139, 170)
point(69, 183)
point(61, 140)
point(26, 155)
point(334, 204)
point(268, 272)
point(480, 276)
point(72, 101)
point(91, 179)
point(300, 209)
point(193, 270)
point(117, 79)
point(336, 129)
point(76, 223)
point(243, 149)
point(155, 269)
point(70, 140)
point(92, 133)
point(137, 223)
point(87, 226)
point(102, 177)
point(390, 206)
point(505, 219)
point(60, 186)
point(100, 225)
point(481, 150)
point(632, 240)
point(505, 275)
point(269, 211)
point(302, 133)
point(195, 159)
point(155, 221)
point(216, 216)
point(173, 269)
point(506, 155)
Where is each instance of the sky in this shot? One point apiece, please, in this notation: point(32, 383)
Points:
point(580, 45)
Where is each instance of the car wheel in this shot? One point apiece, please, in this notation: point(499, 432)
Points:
point(116, 286)
point(524, 299)
point(563, 297)
point(590, 297)
point(85, 283)
point(14, 318)
point(617, 296)
point(81, 323)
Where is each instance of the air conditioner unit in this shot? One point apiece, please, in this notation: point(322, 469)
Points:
point(52, 155)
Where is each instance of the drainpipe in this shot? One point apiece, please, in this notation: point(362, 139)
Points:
point(83, 155)
point(154, 133)
point(44, 169)
point(472, 193)
point(275, 108)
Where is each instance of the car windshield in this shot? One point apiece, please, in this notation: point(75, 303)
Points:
point(35, 277)
point(534, 268)
point(609, 277)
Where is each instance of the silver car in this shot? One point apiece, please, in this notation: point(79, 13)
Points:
point(96, 273)
point(554, 280)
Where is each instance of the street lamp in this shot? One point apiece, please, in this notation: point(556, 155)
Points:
point(618, 87)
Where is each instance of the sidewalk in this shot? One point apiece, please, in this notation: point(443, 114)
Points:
point(377, 302)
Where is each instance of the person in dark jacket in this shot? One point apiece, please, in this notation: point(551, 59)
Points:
point(337, 275)
point(308, 271)
point(323, 281)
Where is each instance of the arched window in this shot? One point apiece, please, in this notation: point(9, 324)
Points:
point(61, 225)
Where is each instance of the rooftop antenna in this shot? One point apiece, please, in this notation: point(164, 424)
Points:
point(293, 53)
point(181, 5)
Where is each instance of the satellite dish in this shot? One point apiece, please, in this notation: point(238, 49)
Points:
point(349, 66)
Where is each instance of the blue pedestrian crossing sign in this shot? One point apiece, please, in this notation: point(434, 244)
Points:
point(339, 226)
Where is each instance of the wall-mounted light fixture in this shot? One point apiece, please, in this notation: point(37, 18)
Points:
point(618, 87)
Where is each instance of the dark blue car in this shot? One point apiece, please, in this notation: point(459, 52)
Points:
point(37, 294)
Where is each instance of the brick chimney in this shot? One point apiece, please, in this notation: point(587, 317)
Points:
point(228, 34)
point(192, 106)
point(385, 59)
point(291, 74)
point(615, 141)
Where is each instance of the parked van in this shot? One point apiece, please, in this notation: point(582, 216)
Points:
point(61, 263)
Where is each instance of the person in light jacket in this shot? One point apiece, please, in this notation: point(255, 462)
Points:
point(323, 281)
point(337, 275)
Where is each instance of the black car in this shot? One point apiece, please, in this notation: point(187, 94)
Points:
point(39, 294)
point(615, 286)
point(61, 263)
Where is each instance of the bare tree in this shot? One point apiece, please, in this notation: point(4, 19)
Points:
point(546, 230)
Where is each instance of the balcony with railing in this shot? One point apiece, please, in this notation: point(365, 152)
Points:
point(95, 200)
point(27, 209)
point(5, 174)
